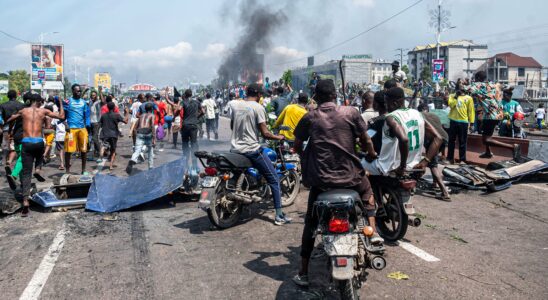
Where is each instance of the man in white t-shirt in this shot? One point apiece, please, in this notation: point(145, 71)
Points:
point(403, 136)
point(134, 111)
point(367, 104)
point(540, 114)
point(398, 74)
point(209, 106)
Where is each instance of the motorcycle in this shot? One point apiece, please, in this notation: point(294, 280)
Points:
point(395, 210)
point(230, 183)
point(346, 241)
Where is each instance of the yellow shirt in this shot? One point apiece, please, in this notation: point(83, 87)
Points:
point(290, 117)
point(462, 108)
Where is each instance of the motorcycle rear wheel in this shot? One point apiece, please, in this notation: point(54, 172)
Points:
point(290, 185)
point(224, 213)
point(393, 223)
point(349, 289)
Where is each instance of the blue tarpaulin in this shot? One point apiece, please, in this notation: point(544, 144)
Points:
point(110, 193)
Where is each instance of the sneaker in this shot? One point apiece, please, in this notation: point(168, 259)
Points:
point(300, 280)
point(99, 160)
point(486, 155)
point(376, 239)
point(129, 167)
point(282, 220)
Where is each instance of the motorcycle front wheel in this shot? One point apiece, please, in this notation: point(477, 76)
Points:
point(349, 289)
point(223, 213)
point(392, 220)
point(290, 185)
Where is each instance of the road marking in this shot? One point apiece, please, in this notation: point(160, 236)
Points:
point(535, 186)
point(41, 275)
point(418, 252)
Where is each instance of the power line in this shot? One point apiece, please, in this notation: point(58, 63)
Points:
point(16, 38)
point(356, 36)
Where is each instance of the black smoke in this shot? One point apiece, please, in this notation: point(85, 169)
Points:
point(259, 23)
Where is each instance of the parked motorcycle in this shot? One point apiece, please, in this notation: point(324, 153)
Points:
point(231, 183)
point(395, 210)
point(346, 237)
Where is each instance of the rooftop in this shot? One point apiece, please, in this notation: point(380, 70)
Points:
point(513, 60)
point(459, 43)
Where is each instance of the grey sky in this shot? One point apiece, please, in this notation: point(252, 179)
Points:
point(172, 42)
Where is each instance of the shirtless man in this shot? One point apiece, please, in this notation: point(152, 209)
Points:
point(146, 136)
point(32, 149)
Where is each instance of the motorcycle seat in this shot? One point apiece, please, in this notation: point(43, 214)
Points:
point(237, 160)
point(338, 198)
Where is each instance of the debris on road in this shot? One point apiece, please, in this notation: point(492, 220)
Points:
point(398, 276)
point(110, 193)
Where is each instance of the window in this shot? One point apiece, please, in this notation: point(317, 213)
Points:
point(521, 82)
point(521, 72)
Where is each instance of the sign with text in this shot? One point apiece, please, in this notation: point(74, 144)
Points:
point(438, 70)
point(47, 62)
point(104, 80)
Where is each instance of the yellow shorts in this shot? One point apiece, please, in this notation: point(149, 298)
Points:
point(76, 140)
point(50, 138)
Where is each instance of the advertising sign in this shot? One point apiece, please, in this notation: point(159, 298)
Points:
point(4, 86)
point(142, 87)
point(104, 80)
point(47, 62)
point(438, 70)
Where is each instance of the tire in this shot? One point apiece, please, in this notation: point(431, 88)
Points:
point(392, 220)
point(290, 185)
point(219, 215)
point(348, 289)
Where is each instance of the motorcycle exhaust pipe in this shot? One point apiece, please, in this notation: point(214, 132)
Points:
point(414, 221)
point(378, 263)
point(245, 199)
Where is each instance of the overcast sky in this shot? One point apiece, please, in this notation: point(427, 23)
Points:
point(173, 42)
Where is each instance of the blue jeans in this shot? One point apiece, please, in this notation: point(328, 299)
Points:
point(143, 140)
point(265, 166)
point(539, 124)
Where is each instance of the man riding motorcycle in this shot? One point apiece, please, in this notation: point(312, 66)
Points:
point(247, 119)
point(403, 136)
point(330, 161)
point(290, 117)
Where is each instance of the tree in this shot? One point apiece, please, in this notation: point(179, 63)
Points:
point(4, 76)
point(19, 80)
point(287, 77)
point(405, 69)
point(426, 73)
point(66, 86)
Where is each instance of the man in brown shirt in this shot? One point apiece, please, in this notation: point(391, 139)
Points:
point(330, 160)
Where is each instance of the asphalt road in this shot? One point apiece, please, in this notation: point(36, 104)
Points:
point(491, 246)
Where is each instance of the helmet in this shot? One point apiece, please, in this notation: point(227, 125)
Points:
point(271, 154)
point(519, 115)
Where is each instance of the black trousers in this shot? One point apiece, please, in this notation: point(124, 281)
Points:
point(189, 138)
point(95, 138)
point(457, 130)
point(31, 153)
point(311, 220)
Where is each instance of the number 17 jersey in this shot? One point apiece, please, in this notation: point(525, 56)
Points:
point(412, 123)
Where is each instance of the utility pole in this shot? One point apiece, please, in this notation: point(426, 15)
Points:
point(401, 55)
point(438, 32)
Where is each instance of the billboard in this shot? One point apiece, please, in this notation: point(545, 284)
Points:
point(47, 67)
point(104, 80)
point(4, 86)
point(438, 70)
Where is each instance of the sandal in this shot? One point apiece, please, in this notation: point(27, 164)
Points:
point(25, 211)
point(61, 168)
point(441, 197)
point(39, 177)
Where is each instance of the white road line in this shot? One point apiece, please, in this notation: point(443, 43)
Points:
point(418, 252)
point(41, 275)
point(534, 186)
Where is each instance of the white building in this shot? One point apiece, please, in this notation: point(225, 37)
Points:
point(462, 58)
point(380, 69)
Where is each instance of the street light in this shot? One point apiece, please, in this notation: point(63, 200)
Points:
point(42, 34)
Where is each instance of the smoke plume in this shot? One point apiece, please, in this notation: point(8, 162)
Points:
point(246, 59)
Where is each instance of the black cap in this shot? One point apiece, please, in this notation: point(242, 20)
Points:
point(254, 90)
point(396, 63)
point(395, 93)
point(508, 90)
point(325, 87)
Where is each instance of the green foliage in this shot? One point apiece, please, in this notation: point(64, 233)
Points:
point(405, 68)
point(426, 73)
point(66, 85)
point(4, 76)
point(19, 80)
point(287, 77)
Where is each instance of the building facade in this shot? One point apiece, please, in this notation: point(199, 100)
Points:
point(461, 57)
point(360, 69)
